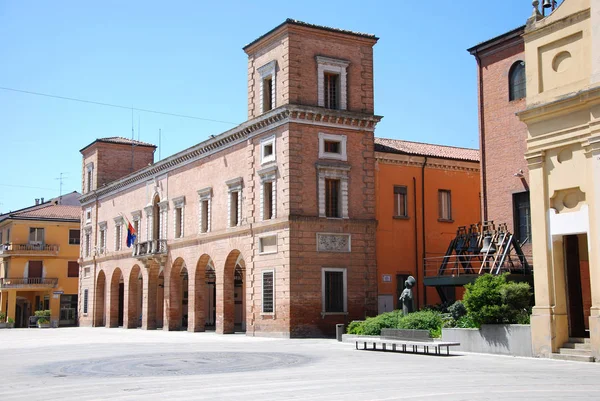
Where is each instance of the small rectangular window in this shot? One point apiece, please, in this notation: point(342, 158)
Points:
point(267, 150)
point(522, 217)
point(118, 239)
point(136, 227)
point(267, 94)
point(204, 215)
point(74, 237)
point(73, 269)
point(332, 147)
point(445, 204)
point(36, 236)
point(267, 244)
point(334, 291)
point(87, 245)
point(89, 180)
point(400, 201)
point(268, 292)
point(267, 200)
point(331, 90)
point(332, 191)
point(102, 247)
point(85, 301)
point(233, 208)
point(178, 222)
point(36, 269)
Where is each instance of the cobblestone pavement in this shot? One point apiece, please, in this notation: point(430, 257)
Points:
point(110, 364)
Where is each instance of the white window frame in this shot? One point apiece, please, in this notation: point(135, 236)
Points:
point(88, 215)
point(263, 143)
point(262, 287)
point(335, 173)
point(136, 216)
point(149, 211)
point(268, 175)
point(345, 289)
point(267, 71)
point(119, 223)
point(85, 305)
point(87, 237)
point(260, 244)
point(102, 226)
point(335, 66)
point(178, 203)
point(204, 195)
point(89, 177)
point(163, 210)
point(341, 139)
point(234, 187)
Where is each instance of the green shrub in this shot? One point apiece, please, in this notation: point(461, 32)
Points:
point(423, 320)
point(2, 316)
point(43, 320)
point(10, 320)
point(457, 310)
point(491, 300)
point(355, 327)
point(465, 322)
point(43, 313)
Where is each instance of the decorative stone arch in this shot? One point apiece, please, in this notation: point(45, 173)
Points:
point(134, 292)
point(116, 305)
point(99, 299)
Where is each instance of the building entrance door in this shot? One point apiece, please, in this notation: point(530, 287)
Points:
point(400, 279)
point(575, 292)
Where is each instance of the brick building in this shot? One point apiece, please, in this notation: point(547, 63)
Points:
point(502, 136)
point(267, 228)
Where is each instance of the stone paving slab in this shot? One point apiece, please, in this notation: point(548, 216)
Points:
point(117, 364)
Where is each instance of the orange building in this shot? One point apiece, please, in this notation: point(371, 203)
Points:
point(39, 248)
point(424, 192)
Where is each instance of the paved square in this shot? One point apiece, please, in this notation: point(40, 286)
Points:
point(109, 364)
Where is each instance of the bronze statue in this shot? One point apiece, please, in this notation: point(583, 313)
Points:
point(407, 296)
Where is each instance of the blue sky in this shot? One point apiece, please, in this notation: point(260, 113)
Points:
point(186, 57)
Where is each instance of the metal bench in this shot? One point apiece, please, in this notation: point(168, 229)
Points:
point(402, 345)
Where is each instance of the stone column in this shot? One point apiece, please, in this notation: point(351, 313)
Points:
point(594, 233)
point(149, 298)
point(542, 319)
point(12, 304)
point(225, 303)
point(196, 291)
point(3, 298)
point(130, 311)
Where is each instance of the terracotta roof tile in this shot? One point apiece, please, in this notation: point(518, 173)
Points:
point(425, 149)
point(59, 212)
point(120, 141)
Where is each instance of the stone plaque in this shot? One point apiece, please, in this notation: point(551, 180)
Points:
point(333, 242)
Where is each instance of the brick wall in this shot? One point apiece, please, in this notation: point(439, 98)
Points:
point(503, 146)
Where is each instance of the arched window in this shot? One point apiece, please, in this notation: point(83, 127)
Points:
point(516, 81)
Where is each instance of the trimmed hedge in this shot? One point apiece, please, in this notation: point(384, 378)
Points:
point(423, 320)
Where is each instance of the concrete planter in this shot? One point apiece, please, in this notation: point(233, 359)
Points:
point(3, 325)
point(502, 339)
point(43, 325)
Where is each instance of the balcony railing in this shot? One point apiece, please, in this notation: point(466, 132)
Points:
point(28, 249)
point(28, 282)
point(150, 249)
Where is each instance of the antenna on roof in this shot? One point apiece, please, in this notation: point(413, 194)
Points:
point(132, 139)
point(159, 135)
point(60, 181)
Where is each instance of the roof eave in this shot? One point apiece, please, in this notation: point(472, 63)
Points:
point(517, 32)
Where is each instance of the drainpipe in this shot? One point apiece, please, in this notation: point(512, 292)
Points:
point(423, 233)
point(416, 233)
point(482, 138)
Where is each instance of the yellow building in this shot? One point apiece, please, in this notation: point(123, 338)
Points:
point(39, 248)
point(562, 58)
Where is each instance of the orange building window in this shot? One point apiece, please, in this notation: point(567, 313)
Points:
point(400, 201)
point(445, 204)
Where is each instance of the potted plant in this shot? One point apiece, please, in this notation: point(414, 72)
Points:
point(43, 321)
point(2, 320)
point(10, 323)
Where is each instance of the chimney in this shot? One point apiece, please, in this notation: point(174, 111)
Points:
point(42, 201)
point(37, 201)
